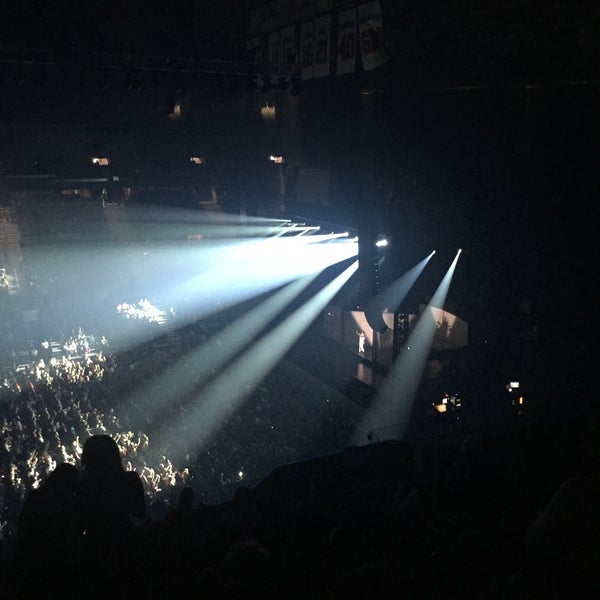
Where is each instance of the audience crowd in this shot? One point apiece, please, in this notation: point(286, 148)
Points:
point(99, 501)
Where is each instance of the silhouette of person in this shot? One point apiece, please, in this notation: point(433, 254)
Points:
point(44, 531)
point(563, 539)
point(109, 502)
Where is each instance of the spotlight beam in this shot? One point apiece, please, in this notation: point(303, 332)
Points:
point(215, 404)
point(199, 365)
point(196, 280)
point(392, 406)
point(392, 297)
point(247, 270)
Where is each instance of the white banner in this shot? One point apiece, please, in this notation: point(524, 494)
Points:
point(370, 30)
point(274, 53)
point(288, 51)
point(322, 45)
point(307, 50)
point(254, 47)
point(346, 46)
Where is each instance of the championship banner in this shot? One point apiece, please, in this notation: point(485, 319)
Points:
point(255, 50)
point(274, 53)
point(322, 45)
point(346, 48)
point(370, 31)
point(307, 50)
point(288, 51)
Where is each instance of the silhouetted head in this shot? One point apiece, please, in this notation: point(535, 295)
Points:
point(185, 501)
point(101, 454)
point(242, 496)
point(62, 481)
point(591, 445)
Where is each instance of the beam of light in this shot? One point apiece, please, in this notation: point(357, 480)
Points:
point(159, 214)
point(241, 271)
point(200, 364)
point(217, 401)
point(389, 415)
point(296, 229)
point(195, 280)
point(165, 223)
point(305, 230)
point(392, 297)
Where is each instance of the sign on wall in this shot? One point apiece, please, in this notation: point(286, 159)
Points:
point(370, 31)
point(322, 46)
point(346, 44)
point(288, 51)
point(274, 53)
point(307, 49)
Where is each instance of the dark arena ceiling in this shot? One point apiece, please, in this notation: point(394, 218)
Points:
point(432, 44)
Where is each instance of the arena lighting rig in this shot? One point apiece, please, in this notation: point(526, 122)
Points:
point(391, 409)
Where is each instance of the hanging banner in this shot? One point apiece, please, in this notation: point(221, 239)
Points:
point(288, 51)
point(370, 31)
point(274, 53)
point(254, 48)
point(346, 47)
point(322, 45)
point(307, 50)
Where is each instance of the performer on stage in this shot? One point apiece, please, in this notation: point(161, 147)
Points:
point(361, 341)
